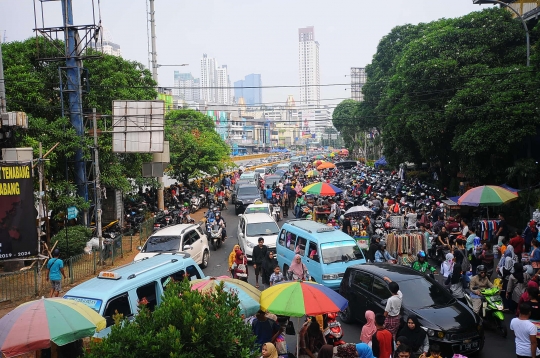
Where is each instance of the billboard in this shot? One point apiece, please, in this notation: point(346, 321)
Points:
point(18, 231)
point(138, 126)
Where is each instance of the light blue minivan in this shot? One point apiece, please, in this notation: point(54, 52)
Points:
point(326, 252)
point(121, 289)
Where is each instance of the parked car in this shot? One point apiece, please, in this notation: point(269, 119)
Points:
point(253, 226)
point(188, 238)
point(448, 322)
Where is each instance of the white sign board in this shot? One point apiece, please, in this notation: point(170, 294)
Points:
point(138, 126)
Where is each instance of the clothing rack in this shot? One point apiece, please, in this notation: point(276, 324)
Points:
point(409, 243)
point(486, 228)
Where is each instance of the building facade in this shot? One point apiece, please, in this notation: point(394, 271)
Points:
point(223, 85)
point(108, 48)
point(308, 60)
point(249, 89)
point(358, 80)
point(186, 87)
point(208, 91)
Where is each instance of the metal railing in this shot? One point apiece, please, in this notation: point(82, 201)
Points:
point(33, 282)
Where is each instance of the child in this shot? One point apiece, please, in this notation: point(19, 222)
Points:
point(276, 277)
point(434, 352)
point(393, 308)
point(382, 341)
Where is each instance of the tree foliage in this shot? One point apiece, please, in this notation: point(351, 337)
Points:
point(194, 145)
point(454, 93)
point(186, 324)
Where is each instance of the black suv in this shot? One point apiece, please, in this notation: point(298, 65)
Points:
point(448, 322)
point(244, 195)
point(346, 164)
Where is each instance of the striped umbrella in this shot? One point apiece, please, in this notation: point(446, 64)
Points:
point(321, 188)
point(248, 295)
point(312, 173)
point(487, 195)
point(33, 325)
point(300, 298)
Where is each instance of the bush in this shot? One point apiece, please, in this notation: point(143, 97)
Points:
point(186, 324)
point(78, 236)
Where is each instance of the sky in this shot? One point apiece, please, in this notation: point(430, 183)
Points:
point(255, 36)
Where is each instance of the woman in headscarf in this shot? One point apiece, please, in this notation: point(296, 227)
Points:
point(364, 351)
point(517, 284)
point(326, 351)
point(232, 256)
point(456, 284)
point(418, 339)
point(269, 351)
point(447, 266)
point(369, 328)
point(240, 266)
point(268, 265)
point(505, 269)
point(298, 271)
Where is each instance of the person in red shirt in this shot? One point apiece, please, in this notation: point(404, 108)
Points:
point(518, 243)
point(452, 223)
point(382, 342)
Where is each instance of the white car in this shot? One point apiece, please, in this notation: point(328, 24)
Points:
point(253, 226)
point(189, 238)
point(259, 208)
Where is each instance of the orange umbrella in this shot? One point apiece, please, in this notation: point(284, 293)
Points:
point(318, 162)
point(326, 165)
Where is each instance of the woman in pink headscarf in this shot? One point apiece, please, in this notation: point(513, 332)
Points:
point(369, 328)
point(298, 271)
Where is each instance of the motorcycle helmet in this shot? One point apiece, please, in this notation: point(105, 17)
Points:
point(421, 254)
point(186, 205)
point(481, 268)
point(342, 218)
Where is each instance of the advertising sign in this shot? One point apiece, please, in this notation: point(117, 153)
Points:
point(18, 232)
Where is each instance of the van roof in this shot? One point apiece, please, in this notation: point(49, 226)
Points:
point(131, 275)
point(323, 232)
point(174, 230)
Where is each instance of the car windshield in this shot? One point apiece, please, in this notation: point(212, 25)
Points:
point(162, 243)
point(249, 190)
point(262, 229)
point(93, 303)
point(340, 251)
point(257, 209)
point(420, 293)
point(247, 176)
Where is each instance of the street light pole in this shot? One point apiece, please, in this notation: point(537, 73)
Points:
point(480, 2)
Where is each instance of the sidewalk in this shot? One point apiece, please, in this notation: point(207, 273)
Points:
point(7, 306)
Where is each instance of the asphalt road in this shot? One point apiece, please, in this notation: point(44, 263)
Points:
point(495, 345)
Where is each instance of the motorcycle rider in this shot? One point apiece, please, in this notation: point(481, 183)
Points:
point(381, 255)
point(422, 265)
point(478, 283)
point(221, 222)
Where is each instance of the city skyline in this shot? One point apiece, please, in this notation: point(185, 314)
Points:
point(308, 67)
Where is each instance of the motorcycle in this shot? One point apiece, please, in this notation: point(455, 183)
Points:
point(492, 308)
point(333, 332)
point(195, 204)
point(214, 233)
point(220, 203)
point(276, 212)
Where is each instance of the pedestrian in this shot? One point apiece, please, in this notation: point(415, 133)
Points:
point(404, 351)
point(346, 225)
point(55, 271)
point(240, 266)
point(232, 257)
point(502, 232)
point(518, 243)
point(277, 276)
point(393, 308)
point(447, 266)
point(268, 350)
point(529, 234)
point(259, 253)
point(456, 284)
point(264, 329)
point(415, 334)
point(369, 329)
point(525, 332)
point(268, 265)
point(364, 351)
point(517, 285)
point(382, 342)
point(535, 255)
point(297, 270)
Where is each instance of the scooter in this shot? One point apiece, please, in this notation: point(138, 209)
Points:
point(492, 308)
point(334, 332)
point(195, 204)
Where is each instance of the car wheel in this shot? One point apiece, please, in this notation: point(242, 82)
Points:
point(205, 257)
point(346, 315)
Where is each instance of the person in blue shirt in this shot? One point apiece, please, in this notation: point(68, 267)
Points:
point(382, 255)
point(55, 271)
point(268, 193)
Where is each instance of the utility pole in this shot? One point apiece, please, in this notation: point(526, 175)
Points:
point(156, 156)
point(3, 107)
point(41, 193)
point(97, 179)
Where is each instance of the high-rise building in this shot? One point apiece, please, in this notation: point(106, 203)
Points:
point(223, 85)
point(308, 49)
point(249, 89)
point(208, 79)
point(358, 80)
point(186, 86)
point(108, 48)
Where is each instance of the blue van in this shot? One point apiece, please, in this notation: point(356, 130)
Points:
point(326, 252)
point(123, 288)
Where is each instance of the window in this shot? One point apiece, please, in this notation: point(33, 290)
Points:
point(300, 246)
point(362, 280)
point(291, 241)
point(282, 236)
point(380, 289)
point(175, 277)
point(313, 252)
point(192, 273)
point(147, 295)
point(119, 304)
point(188, 240)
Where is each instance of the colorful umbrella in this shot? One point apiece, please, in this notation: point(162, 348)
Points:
point(299, 298)
point(312, 173)
point(326, 165)
point(487, 195)
point(318, 162)
point(321, 188)
point(318, 156)
point(33, 325)
point(248, 295)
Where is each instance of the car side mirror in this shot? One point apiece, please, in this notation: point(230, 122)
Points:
point(139, 248)
point(239, 215)
point(188, 247)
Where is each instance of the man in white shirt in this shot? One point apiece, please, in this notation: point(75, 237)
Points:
point(525, 333)
point(333, 210)
point(411, 219)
